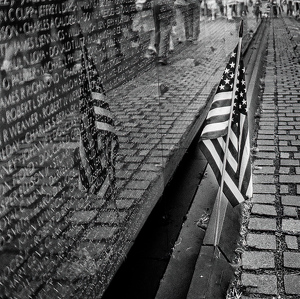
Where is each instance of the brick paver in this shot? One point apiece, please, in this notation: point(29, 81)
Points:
point(261, 241)
point(258, 260)
point(292, 284)
point(260, 284)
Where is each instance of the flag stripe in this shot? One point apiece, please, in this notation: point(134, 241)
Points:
point(214, 131)
point(213, 154)
point(222, 97)
point(245, 169)
point(216, 121)
point(102, 112)
point(105, 127)
point(233, 193)
point(217, 147)
point(232, 156)
point(218, 112)
point(215, 151)
point(247, 186)
point(104, 187)
point(231, 196)
point(98, 96)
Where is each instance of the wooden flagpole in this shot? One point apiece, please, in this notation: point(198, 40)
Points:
point(220, 191)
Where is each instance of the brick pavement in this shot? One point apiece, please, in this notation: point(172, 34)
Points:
point(270, 266)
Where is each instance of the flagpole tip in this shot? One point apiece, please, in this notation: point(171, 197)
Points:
point(241, 29)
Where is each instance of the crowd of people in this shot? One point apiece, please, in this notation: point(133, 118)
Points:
point(160, 18)
point(277, 7)
point(167, 19)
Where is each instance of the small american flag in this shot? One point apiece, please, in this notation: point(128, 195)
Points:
point(99, 144)
point(238, 174)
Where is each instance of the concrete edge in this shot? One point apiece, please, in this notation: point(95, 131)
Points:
point(212, 275)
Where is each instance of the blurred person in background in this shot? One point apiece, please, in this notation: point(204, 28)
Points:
point(212, 6)
point(188, 12)
point(240, 8)
point(256, 10)
point(181, 14)
point(221, 7)
point(163, 12)
point(274, 8)
point(279, 6)
point(282, 3)
point(289, 11)
point(203, 8)
point(143, 22)
point(297, 9)
point(230, 9)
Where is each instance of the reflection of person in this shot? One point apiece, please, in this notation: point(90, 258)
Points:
point(128, 13)
point(108, 16)
point(279, 6)
point(230, 9)
point(158, 21)
point(13, 58)
point(289, 11)
point(194, 20)
point(274, 7)
point(17, 36)
point(190, 12)
point(119, 31)
point(256, 9)
point(163, 19)
point(297, 10)
point(144, 22)
point(9, 53)
point(221, 7)
point(213, 7)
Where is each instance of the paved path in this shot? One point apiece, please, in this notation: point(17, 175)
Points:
point(271, 260)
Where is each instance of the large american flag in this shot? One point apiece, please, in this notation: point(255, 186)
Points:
point(98, 147)
point(238, 175)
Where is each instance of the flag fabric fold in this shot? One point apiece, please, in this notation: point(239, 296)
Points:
point(96, 155)
point(238, 173)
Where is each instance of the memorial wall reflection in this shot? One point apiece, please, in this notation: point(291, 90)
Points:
point(61, 231)
point(41, 46)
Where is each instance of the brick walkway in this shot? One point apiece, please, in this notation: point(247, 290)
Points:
point(271, 260)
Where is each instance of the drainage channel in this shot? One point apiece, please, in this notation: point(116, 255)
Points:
point(141, 273)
